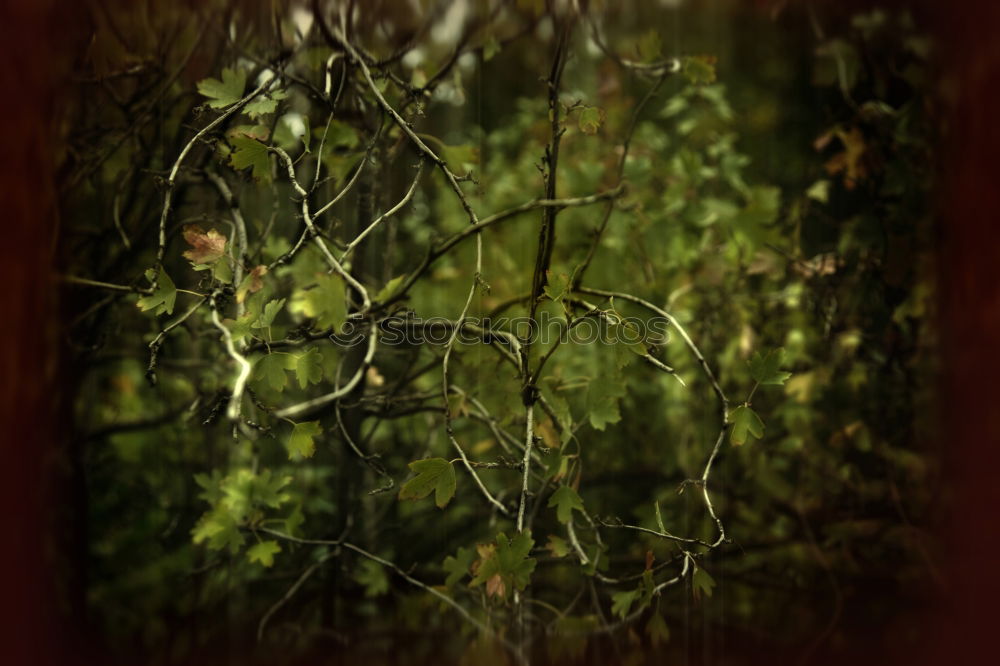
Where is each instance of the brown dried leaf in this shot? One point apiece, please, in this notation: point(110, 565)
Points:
point(207, 248)
point(495, 586)
point(252, 283)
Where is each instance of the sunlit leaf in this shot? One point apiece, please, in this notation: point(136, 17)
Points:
point(590, 119)
point(699, 70)
point(264, 552)
point(226, 92)
point(302, 442)
point(309, 367)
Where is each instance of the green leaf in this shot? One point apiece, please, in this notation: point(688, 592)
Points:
point(765, 369)
point(622, 602)
point(657, 630)
point(294, 520)
point(226, 92)
point(220, 529)
point(701, 583)
point(324, 302)
point(161, 301)
point(287, 136)
point(271, 311)
point(390, 288)
point(300, 443)
point(745, 422)
point(461, 157)
point(490, 48)
point(249, 152)
point(309, 367)
point(628, 344)
point(659, 517)
point(264, 552)
point(507, 567)
point(699, 70)
point(271, 369)
point(222, 272)
point(315, 57)
point(457, 565)
point(340, 137)
point(596, 559)
point(240, 328)
point(558, 546)
point(556, 285)
point(264, 104)
point(372, 576)
point(819, 191)
point(590, 119)
point(565, 499)
point(602, 411)
point(433, 474)
point(649, 46)
point(267, 490)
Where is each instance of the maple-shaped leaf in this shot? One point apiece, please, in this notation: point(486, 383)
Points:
point(271, 310)
point(457, 565)
point(226, 92)
point(371, 575)
point(657, 630)
point(745, 423)
point(301, 443)
point(602, 410)
point(161, 301)
point(271, 369)
point(701, 583)
point(248, 152)
point(565, 499)
point(699, 70)
point(264, 552)
point(766, 369)
point(621, 602)
point(507, 566)
point(309, 367)
point(252, 283)
point(207, 247)
point(433, 475)
point(556, 285)
point(240, 328)
point(264, 104)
